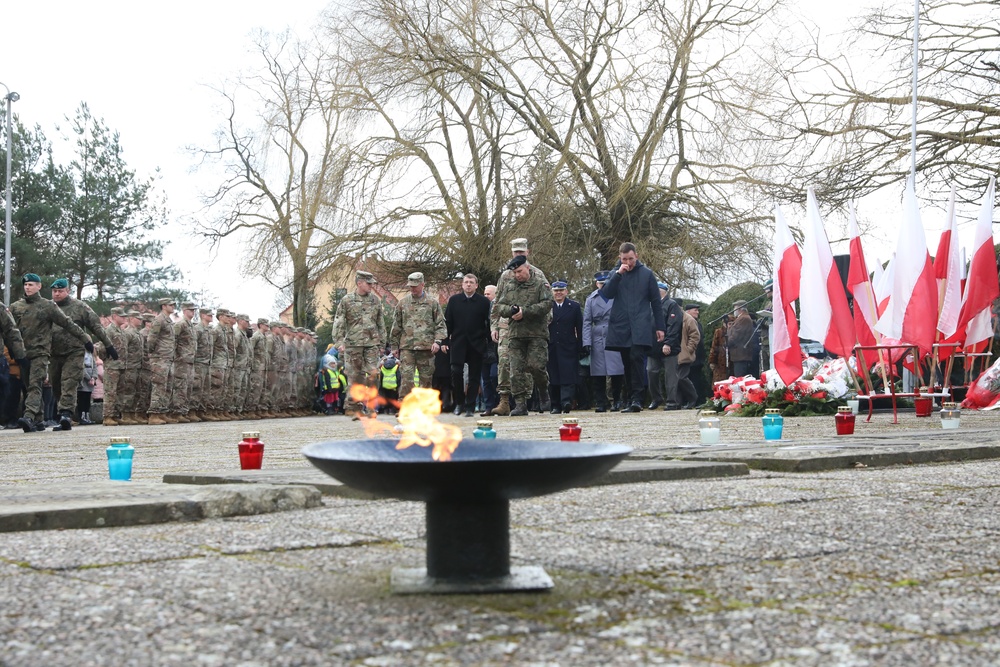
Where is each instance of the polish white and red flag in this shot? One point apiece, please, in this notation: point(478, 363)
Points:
point(786, 355)
point(981, 288)
point(860, 285)
point(824, 313)
point(882, 284)
point(911, 316)
point(948, 275)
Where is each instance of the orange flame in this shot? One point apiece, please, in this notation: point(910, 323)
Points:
point(418, 424)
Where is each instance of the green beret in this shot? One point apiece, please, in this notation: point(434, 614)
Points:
point(31, 278)
point(59, 283)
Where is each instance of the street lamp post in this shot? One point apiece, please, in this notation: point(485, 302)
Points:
point(11, 97)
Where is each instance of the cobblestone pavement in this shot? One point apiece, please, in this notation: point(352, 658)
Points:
point(873, 566)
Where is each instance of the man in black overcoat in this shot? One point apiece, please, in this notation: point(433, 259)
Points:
point(468, 319)
point(636, 319)
point(565, 346)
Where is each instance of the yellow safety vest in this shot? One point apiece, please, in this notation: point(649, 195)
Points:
point(389, 378)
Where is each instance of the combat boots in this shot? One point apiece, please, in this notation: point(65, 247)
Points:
point(522, 407)
point(108, 421)
point(543, 399)
point(503, 407)
point(193, 416)
point(156, 419)
point(128, 419)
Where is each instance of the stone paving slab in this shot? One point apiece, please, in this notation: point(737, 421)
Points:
point(626, 472)
point(101, 504)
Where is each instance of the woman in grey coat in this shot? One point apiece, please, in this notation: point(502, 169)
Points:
point(603, 363)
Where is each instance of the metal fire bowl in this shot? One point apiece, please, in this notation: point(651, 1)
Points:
point(468, 501)
point(499, 469)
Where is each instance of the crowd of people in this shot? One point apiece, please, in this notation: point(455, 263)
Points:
point(149, 368)
point(524, 345)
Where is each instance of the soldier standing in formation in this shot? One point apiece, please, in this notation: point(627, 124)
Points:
point(114, 367)
point(418, 329)
point(185, 346)
point(359, 333)
point(66, 369)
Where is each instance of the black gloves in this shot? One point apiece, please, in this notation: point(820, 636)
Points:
point(88, 346)
point(584, 351)
point(112, 352)
point(23, 363)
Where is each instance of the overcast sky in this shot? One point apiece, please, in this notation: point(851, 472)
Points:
point(147, 68)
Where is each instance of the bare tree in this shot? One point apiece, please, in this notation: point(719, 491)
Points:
point(657, 119)
point(861, 124)
point(286, 169)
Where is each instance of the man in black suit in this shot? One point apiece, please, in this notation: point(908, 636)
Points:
point(468, 320)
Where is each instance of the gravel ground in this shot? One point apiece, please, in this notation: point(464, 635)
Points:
point(875, 566)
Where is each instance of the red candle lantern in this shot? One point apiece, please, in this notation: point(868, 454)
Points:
point(923, 404)
point(845, 420)
point(570, 430)
point(251, 451)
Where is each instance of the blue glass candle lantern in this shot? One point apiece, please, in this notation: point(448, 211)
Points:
point(120, 454)
point(484, 429)
point(773, 423)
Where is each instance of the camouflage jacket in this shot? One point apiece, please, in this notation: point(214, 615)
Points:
point(359, 322)
point(506, 281)
point(36, 317)
point(534, 298)
point(417, 323)
point(258, 351)
point(134, 342)
point(185, 341)
point(242, 350)
point(160, 338)
point(220, 347)
point(279, 359)
point(203, 347)
point(144, 335)
point(231, 343)
point(11, 335)
point(64, 342)
point(292, 355)
point(119, 339)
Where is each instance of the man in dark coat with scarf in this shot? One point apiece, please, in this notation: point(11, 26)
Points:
point(565, 346)
point(468, 319)
point(636, 318)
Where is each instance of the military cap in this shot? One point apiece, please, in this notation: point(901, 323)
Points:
point(516, 262)
point(221, 311)
point(277, 324)
point(59, 283)
point(366, 277)
point(601, 276)
point(263, 321)
point(519, 245)
point(148, 317)
point(559, 284)
point(739, 304)
point(245, 318)
point(187, 305)
point(133, 313)
point(120, 312)
point(165, 301)
point(662, 285)
point(414, 279)
point(31, 278)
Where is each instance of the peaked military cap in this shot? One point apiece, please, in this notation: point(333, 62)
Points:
point(662, 285)
point(601, 276)
point(559, 284)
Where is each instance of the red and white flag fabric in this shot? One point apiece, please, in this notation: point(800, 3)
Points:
point(981, 288)
point(911, 316)
point(824, 313)
point(882, 284)
point(860, 285)
point(948, 274)
point(786, 355)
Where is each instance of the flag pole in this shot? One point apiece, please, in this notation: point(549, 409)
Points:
point(916, 57)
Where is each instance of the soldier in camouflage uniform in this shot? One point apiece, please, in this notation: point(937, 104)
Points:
point(279, 390)
point(66, 366)
point(499, 326)
point(36, 317)
point(359, 332)
point(525, 304)
point(258, 370)
point(185, 348)
point(146, 373)
point(162, 348)
point(201, 380)
point(216, 397)
point(128, 385)
point(275, 351)
point(113, 368)
point(242, 365)
point(418, 329)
